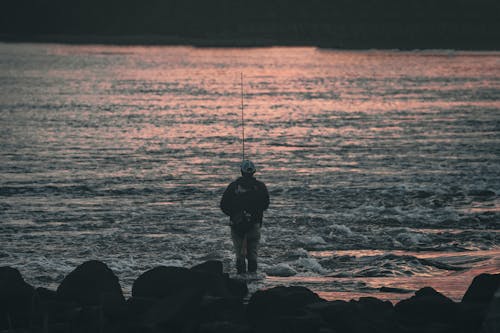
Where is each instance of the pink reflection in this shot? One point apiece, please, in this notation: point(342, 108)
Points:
point(451, 283)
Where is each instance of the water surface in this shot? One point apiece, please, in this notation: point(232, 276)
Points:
point(383, 166)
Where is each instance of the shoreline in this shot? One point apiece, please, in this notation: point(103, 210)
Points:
point(205, 299)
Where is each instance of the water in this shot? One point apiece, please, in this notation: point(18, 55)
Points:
point(383, 166)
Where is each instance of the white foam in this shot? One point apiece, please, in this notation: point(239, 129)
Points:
point(281, 269)
point(299, 252)
point(311, 264)
point(312, 240)
point(341, 229)
point(411, 238)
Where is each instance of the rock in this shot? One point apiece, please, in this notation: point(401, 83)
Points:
point(52, 311)
point(332, 311)
point(267, 306)
point(113, 306)
point(306, 322)
point(427, 306)
point(138, 306)
point(87, 284)
point(373, 306)
point(45, 294)
point(219, 309)
point(237, 288)
point(491, 322)
point(177, 312)
point(211, 266)
point(369, 314)
point(163, 281)
point(223, 327)
point(482, 289)
point(16, 299)
point(476, 301)
point(385, 289)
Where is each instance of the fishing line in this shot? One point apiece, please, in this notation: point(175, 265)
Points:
point(242, 119)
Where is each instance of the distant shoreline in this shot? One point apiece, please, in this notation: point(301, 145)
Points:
point(162, 40)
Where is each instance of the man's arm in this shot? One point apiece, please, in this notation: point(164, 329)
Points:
point(226, 203)
point(264, 196)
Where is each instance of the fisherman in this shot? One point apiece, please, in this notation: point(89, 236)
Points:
point(245, 201)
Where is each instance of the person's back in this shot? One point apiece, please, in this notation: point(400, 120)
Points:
point(244, 201)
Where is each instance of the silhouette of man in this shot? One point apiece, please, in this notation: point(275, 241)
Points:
point(245, 201)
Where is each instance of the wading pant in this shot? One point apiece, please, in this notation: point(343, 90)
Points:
point(246, 247)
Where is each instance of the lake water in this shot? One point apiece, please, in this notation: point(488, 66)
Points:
point(383, 166)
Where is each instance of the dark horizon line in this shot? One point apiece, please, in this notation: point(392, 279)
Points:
point(166, 40)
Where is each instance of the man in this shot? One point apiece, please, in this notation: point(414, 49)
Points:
point(245, 201)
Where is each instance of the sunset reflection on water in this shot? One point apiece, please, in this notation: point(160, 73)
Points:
point(122, 154)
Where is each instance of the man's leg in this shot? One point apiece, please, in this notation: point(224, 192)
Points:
point(253, 239)
point(241, 266)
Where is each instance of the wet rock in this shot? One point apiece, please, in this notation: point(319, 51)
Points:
point(138, 306)
point(88, 284)
point(268, 308)
point(369, 314)
point(52, 311)
point(218, 309)
point(113, 306)
point(482, 289)
point(476, 301)
point(16, 299)
point(178, 312)
point(385, 289)
point(45, 294)
point(425, 307)
point(224, 327)
point(373, 306)
point(237, 288)
point(210, 266)
point(491, 323)
point(307, 322)
point(163, 281)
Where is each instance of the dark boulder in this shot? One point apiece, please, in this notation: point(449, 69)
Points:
point(45, 294)
point(219, 309)
point(306, 322)
point(89, 283)
point(476, 301)
point(427, 306)
point(224, 327)
point(491, 323)
point(237, 288)
point(272, 308)
point(178, 312)
point(369, 314)
point(210, 266)
point(52, 311)
point(16, 299)
point(163, 281)
point(482, 289)
point(373, 307)
point(334, 312)
point(138, 306)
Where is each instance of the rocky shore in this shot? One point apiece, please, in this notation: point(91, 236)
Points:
point(204, 299)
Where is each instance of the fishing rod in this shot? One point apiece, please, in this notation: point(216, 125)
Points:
point(242, 118)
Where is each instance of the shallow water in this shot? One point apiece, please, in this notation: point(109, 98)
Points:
point(383, 166)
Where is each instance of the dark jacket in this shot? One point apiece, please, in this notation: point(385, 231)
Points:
point(245, 194)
